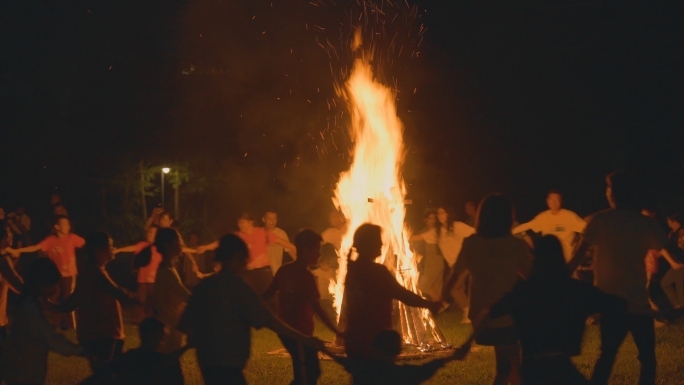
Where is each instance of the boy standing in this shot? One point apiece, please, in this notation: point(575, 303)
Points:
point(61, 249)
point(299, 301)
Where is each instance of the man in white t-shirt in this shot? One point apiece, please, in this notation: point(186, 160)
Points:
point(557, 221)
point(334, 233)
point(275, 251)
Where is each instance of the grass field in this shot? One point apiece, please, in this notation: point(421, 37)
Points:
point(476, 369)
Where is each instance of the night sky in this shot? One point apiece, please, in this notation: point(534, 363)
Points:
point(518, 98)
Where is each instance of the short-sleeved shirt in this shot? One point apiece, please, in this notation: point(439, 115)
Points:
point(297, 290)
point(563, 225)
point(450, 242)
point(622, 238)
point(218, 318)
point(148, 274)
point(369, 291)
point(62, 251)
point(257, 243)
point(495, 266)
point(275, 251)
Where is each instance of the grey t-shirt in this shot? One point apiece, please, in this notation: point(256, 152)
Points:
point(621, 239)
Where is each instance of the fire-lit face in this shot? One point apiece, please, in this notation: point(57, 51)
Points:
point(151, 234)
point(673, 225)
point(431, 220)
point(270, 220)
point(554, 201)
point(63, 226)
point(245, 225)
point(442, 216)
point(165, 221)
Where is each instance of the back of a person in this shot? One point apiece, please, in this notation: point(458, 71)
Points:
point(369, 308)
point(495, 265)
point(25, 345)
point(295, 282)
point(99, 317)
point(219, 332)
point(550, 315)
point(622, 239)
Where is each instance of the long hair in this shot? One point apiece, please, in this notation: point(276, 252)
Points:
point(163, 242)
point(549, 263)
point(449, 222)
point(494, 216)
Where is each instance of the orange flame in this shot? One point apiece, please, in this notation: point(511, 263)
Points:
point(373, 190)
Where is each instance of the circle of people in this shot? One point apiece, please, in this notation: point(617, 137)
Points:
point(528, 289)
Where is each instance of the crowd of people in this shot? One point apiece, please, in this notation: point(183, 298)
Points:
point(528, 290)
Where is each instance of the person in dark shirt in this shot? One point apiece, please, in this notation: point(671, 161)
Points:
point(298, 297)
point(96, 302)
point(549, 311)
point(368, 294)
point(220, 314)
point(145, 365)
point(380, 368)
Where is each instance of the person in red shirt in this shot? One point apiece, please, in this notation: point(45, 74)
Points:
point(298, 297)
point(61, 249)
point(258, 274)
point(369, 291)
point(147, 273)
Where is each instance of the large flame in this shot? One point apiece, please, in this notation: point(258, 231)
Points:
point(373, 190)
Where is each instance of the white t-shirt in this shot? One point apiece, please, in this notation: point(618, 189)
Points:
point(333, 236)
point(564, 225)
point(275, 251)
point(450, 243)
point(622, 239)
point(323, 279)
point(429, 236)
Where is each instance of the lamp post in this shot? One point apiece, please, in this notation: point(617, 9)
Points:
point(165, 170)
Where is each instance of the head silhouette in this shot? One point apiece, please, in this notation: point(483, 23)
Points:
point(620, 190)
point(387, 344)
point(494, 217)
point(549, 263)
point(152, 332)
point(232, 253)
point(368, 241)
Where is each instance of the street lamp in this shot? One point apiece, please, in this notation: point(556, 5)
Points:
point(165, 170)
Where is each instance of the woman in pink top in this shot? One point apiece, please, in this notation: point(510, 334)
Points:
point(258, 274)
point(61, 249)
